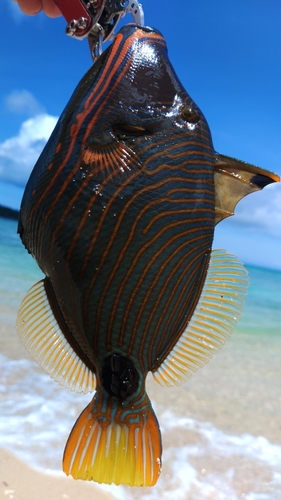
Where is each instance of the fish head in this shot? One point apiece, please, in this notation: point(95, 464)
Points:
point(132, 100)
point(145, 101)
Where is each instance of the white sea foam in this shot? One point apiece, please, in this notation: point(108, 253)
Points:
point(36, 414)
point(199, 460)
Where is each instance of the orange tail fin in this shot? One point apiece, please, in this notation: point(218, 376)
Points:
point(111, 444)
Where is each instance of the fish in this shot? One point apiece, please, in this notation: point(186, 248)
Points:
point(119, 213)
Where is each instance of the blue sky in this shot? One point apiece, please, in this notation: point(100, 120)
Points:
point(227, 54)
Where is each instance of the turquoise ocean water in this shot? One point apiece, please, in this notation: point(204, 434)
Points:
point(36, 414)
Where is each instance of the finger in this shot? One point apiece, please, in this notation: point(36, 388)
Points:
point(30, 7)
point(50, 8)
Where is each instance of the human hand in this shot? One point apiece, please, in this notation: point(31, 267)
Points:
point(33, 7)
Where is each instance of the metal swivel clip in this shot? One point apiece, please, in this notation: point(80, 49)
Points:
point(97, 19)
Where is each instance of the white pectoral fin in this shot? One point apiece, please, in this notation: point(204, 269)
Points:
point(41, 335)
point(215, 316)
point(235, 179)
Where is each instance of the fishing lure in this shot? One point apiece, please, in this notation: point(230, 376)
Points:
point(119, 213)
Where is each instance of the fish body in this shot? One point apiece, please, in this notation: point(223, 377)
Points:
point(119, 213)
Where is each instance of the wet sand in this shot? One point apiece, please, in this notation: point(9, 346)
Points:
point(20, 482)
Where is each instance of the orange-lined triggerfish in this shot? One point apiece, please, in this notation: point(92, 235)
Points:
point(119, 213)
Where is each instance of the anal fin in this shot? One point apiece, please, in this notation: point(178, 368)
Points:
point(41, 335)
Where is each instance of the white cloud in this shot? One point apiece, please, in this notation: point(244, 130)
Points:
point(22, 101)
point(19, 154)
point(261, 211)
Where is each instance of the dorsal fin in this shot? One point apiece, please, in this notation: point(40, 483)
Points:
point(42, 337)
point(235, 179)
point(215, 316)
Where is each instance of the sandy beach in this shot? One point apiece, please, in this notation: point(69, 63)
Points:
point(20, 482)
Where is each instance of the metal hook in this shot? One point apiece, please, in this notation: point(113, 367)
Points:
point(95, 43)
point(135, 9)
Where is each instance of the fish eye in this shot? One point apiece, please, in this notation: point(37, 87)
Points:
point(124, 130)
point(190, 115)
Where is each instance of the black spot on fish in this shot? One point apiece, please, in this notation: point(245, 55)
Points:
point(119, 376)
point(261, 181)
